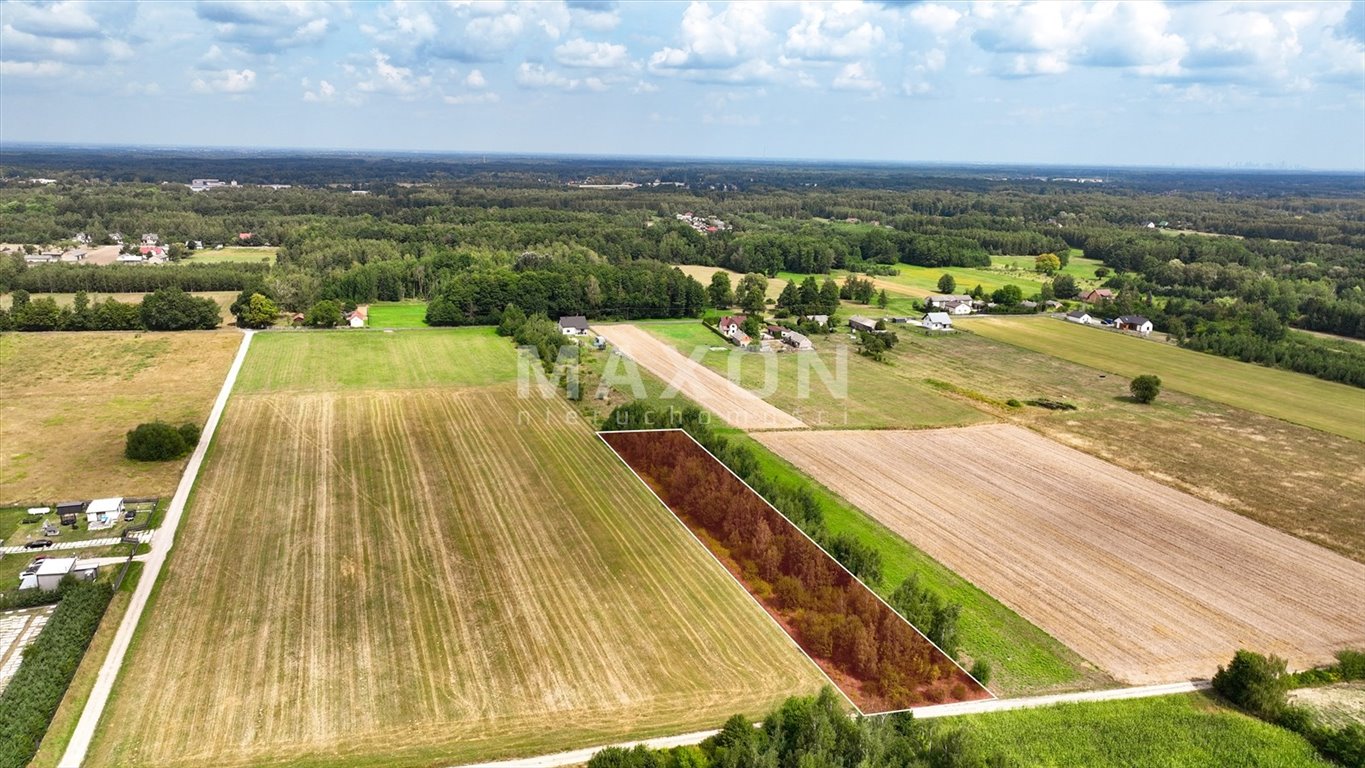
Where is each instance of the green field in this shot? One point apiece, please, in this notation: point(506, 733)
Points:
point(1025, 659)
point(1189, 731)
point(398, 314)
point(421, 568)
point(1294, 397)
point(351, 359)
point(233, 254)
point(878, 395)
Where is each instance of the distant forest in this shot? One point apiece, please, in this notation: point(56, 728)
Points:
point(1226, 262)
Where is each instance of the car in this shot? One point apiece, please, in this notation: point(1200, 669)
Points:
point(38, 544)
point(129, 516)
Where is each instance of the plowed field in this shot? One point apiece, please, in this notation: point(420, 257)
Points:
point(735, 405)
point(423, 576)
point(1149, 583)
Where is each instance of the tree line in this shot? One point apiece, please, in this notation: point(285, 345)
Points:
point(166, 309)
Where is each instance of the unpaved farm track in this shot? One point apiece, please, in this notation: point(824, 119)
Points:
point(1149, 583)
point(735, 405)
point(416, 577)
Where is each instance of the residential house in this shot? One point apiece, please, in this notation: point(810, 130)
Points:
point(573, 325)
point(74, 256)
point(957, 307)
point(44, 257)
point(129, 258)
point(360, 317)
point(821, 320)
point(1080, 316)
point(732, 328)
point(858, 324)
point(151, 238)
point(1136, 323)
point(245, 235)
point(155, 252)
point(1097, 295)
point(937, 321)
point(82, 238)
point(51, 571)
point(941, 301)
point(103, 513)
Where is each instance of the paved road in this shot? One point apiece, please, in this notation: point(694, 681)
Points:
point(581, 756)
point(142, 536)
point(161, 547)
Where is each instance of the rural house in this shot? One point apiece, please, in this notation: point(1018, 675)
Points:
point(858, 324)
point(951, 302)
point(732, 328)
point(51, 571)
point(103, 513)
point(359, 317)
point(573, 325)
point(1080, 316)
point(796, 340)
point(937, 321)
point(1097, 295)
point(1134, 323)
point(822, 320)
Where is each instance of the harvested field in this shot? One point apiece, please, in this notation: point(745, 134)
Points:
point(68, 399)
point(1147, 582)
point(717, 394)
point(411, 572)
point(877, 659)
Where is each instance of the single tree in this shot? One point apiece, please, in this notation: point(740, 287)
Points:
point(1047, 263)
point(1145, 388)
point(1009, 295)
point(751, 293)
point(947, 283)
point(324, 314)
point(259, 312)
point(719, 292)
point(1065, 287)
point(883, 299)
point(154, 441)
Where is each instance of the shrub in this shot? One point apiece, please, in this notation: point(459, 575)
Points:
point(981, 670)
point(1145, 388)
point(1014, 403)
point(190, 434)
point(155, 441)
point(1255, 683)
point(1352, 664)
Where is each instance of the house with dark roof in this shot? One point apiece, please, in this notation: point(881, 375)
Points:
point(1080, 316)
point(1136, 323)
point(573, 325)
point(858, 324)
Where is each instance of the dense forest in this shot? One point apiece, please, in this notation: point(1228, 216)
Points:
point(1227, 263)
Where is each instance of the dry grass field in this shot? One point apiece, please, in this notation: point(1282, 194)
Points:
point(733, 404)
point(67, 400)
point(408, 573)
point(1149, 583)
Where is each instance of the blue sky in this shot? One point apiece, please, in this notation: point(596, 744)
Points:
point(1145, 83)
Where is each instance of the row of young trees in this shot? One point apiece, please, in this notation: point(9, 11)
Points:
point(836, 618)
point(167, 309)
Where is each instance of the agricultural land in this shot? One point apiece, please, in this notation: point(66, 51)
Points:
point(1294, 397)
point(414, 567)
point(67, 400)
point(1147, 582)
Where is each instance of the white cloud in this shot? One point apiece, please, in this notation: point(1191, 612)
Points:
point(387, 77)
point(472, 98)
point(475, 79)
point(31, 68)
point(325, 91)
point(719, 47)
point(270, 27)
point(536, 76)
point(596, 16)
point(854, 77)
point(835, 32)
point(589, 55)
point(464, 31)
point(938, 19)
point(225, 81)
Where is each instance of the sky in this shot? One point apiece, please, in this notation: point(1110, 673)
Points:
point(1206, 84)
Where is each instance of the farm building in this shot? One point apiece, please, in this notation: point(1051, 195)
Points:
point(1097, 295)
point(1134, 323)
point(795, 340)
point(941, 301)
point(858, 324)
point(937, 321)
point(818, 319)
point(103, 513)
point(573, 325)
point(1080, 316)
point(360, 317)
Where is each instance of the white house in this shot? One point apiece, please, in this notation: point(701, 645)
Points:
point(1080, 316)
point(957, 307)
point(103, 513)
point(151, 238)
point(129, 258)
point(941, 301)
point(822, 320)
point(1134, 323)
point(937, 321)
point(359, 317)
point(573, 325)
point(732, 328)
point(52, 570)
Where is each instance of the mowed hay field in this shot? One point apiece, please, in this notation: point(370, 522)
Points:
point(1147, 582)
point(1295, 397)
point(68, 399)
point(734, 404)
point(410, 574)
